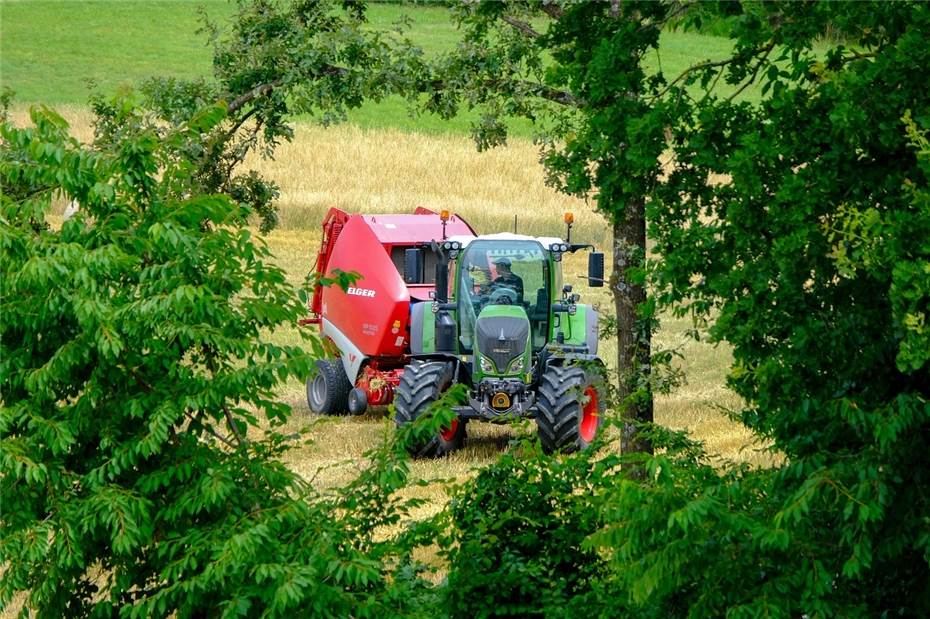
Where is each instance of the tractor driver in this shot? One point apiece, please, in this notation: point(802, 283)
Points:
point(506, 278)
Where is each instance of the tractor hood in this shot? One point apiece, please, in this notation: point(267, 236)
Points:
point(502, 334)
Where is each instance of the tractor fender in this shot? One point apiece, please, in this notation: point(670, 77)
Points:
point(460, 371)
point(592, 319)
point(350, 355)
point(564, 357)
point(583, 328)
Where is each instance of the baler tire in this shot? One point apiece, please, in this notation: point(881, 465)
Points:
point(328, 389)
point(357, 401)
point(420, 386)
point(570, 405)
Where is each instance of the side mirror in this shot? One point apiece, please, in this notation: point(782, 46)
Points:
point(596, 269)
point(413, 265)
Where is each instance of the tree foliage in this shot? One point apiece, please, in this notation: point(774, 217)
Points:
point(140, 453)
point(811, 259)
point(795, 229)
point(139, 437)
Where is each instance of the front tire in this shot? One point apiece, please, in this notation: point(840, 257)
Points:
point(420, 386)
point(570, 408)
point(328, 389)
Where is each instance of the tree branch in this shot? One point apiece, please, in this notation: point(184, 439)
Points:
point(232, 130)
point(542, 91)
point(709, 65)
point(678, 10)
point(752, 77)
point(259, 91)
point(522, 26)
point(243, 441)
point(209, 429)
point(263, 90)
point(552, 9)
point(555, 95)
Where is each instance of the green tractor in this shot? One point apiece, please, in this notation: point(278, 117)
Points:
point(513, 334)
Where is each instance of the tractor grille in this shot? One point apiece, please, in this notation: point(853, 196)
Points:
point(501, 338)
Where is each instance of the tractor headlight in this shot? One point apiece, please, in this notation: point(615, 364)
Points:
point(487, 366)
point(516, 366)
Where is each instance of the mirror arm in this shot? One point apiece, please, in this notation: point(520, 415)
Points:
point(576, 246)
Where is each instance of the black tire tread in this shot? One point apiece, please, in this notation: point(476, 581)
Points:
point(420, 385)
point(337, 388)
point(558, 407)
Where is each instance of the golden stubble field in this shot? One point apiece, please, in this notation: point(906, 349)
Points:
point(390, 171)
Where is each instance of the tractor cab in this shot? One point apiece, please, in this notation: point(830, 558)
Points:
point(506, 278)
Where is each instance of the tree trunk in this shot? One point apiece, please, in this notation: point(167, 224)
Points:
point(633, 336)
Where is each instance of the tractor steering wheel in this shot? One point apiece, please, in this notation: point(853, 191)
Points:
point(502, 295)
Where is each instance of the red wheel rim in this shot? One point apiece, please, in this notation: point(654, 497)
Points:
point(589, 415)
point(449, 433)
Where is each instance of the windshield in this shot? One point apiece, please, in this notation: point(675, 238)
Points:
point(503, 272)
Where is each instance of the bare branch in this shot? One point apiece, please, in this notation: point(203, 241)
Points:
point(259, 91)
point(210, 429)
point(232, 426)
point(711, 64)
point(522, 26)
point(552, 9)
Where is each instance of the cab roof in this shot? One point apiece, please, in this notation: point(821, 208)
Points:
point(545, 241)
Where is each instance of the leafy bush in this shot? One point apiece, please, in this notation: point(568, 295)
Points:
point(810, 256)
point(516, 535)
point(137, 375)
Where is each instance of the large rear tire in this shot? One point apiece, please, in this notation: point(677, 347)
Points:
point(328, 389)
point(420, 386)
point(570, 408)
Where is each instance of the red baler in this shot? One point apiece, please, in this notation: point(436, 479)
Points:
point(369, 322)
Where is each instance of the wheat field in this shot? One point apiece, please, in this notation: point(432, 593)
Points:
point(382, 171)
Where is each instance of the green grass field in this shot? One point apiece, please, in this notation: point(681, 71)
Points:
point(53, 51)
